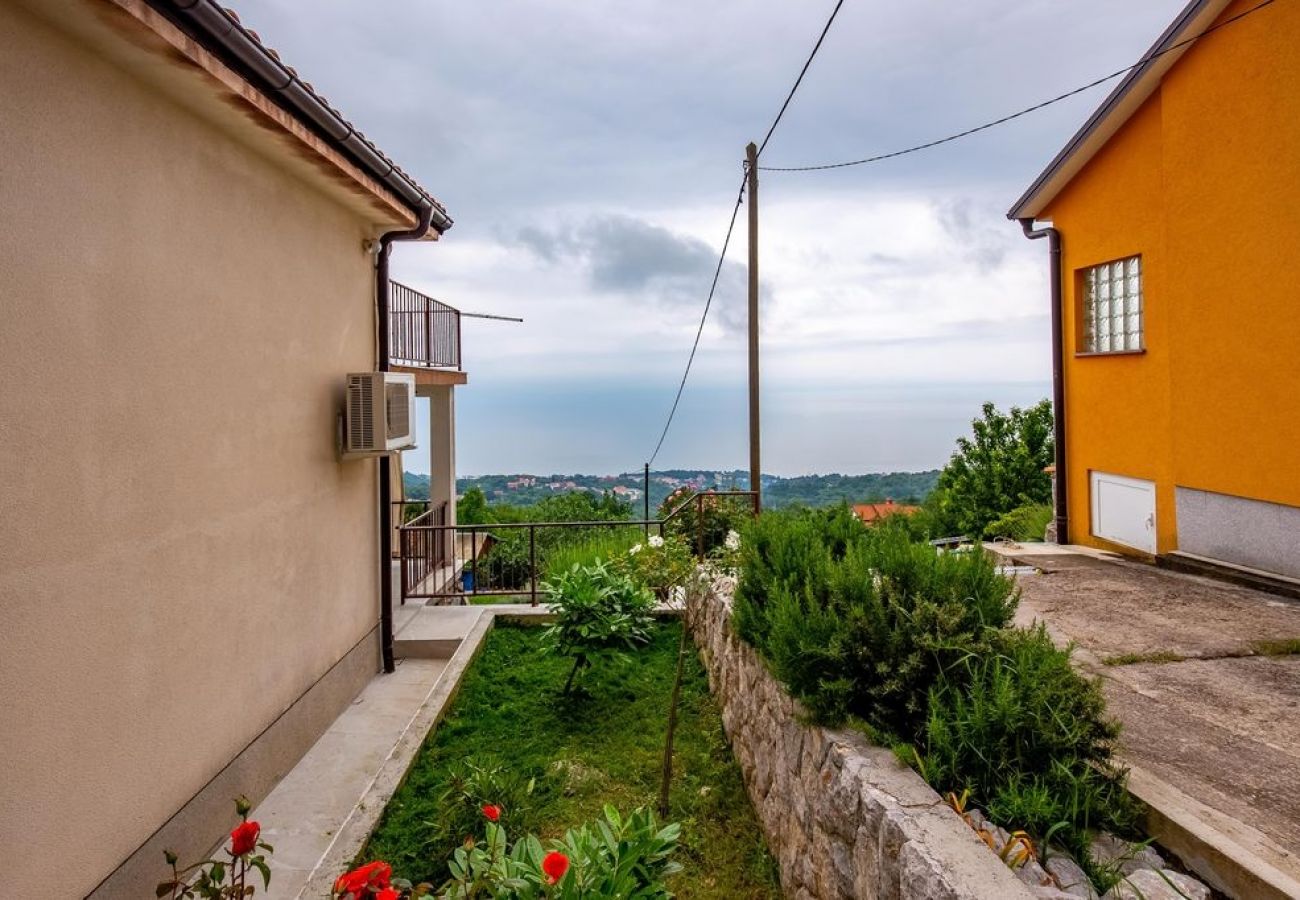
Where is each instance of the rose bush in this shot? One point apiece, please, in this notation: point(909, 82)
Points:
point(215, 879)
point(611, 857)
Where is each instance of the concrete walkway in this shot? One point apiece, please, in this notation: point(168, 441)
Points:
point(323, 811)
point(1211, 722)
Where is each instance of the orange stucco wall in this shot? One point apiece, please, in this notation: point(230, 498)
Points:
point(1203, 182)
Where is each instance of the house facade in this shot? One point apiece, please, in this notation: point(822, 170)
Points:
point(1172, 219)
point(192, 579)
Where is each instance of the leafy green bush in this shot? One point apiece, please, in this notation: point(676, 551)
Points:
point(995, 470)
point(1024, 523)
point(872, 625)
point(862, 622)
point(1027, 736)
point(598, 613)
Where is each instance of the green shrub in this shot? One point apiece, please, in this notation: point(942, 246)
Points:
point(1028, 737)
point(861, 622)
point(1024, 523)
point(784, 553)
point(598, 614)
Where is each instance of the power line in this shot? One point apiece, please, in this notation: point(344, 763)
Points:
point(802, 72)
point(699, 331)
point(740, 195)
point(1024, 112)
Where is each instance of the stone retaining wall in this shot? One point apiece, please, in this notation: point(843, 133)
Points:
point(843, 817)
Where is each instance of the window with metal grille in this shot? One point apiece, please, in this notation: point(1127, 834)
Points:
point(1112, 307)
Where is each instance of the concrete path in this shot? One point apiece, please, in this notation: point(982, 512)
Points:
point(1211, 723)
point(302, 816)
point(320, 816)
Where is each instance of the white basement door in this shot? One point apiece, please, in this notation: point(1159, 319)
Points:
point(1124, 511)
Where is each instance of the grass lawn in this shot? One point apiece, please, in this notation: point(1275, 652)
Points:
point(586, 751)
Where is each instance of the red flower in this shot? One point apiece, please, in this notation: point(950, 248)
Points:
point(492, 812)
point(244, 838)
point(555, 865)
point(373, 876)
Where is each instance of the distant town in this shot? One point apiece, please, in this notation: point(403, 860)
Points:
point(524, 489)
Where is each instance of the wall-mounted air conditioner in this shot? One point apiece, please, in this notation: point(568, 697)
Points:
point(379, 414)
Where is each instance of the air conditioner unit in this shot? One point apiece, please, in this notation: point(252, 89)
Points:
point(380, 413)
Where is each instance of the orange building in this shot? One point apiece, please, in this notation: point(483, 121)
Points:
point(1173, 217)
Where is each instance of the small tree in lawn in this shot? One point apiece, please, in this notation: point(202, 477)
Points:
point(598, 614)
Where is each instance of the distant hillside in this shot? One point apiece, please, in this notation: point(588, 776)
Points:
point(811, 490)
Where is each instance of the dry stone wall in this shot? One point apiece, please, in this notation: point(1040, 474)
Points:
point(844, 818)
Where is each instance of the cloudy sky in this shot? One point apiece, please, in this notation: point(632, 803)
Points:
point(590, 153)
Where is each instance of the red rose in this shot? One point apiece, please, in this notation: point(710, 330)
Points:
point(492, 812)
point(373, 876)
point(555, 865)
point(244, 838)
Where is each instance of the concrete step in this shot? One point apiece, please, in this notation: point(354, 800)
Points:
point(435, 632)
point(1191, 564)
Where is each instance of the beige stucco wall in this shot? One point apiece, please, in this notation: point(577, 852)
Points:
point(181, 555)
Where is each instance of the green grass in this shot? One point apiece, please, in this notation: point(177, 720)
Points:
point(1132, 659)
point(1288, 647)
point(604, 747)
point(604, 544)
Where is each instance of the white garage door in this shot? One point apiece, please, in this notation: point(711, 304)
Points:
point(1124, 511)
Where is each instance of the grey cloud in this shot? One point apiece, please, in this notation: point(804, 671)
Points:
point(631, 257)
point(974, 232)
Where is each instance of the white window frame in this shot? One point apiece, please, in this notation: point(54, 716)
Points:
point(1111, 314)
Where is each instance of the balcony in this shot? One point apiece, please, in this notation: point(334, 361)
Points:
point(424, 333)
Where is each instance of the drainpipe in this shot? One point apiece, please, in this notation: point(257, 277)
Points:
point(1058, 374)
point(385, 462)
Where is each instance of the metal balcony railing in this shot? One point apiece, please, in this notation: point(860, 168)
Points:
point(428, 544)
point(422, 332)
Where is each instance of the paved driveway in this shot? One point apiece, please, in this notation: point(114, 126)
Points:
point(1181, 659)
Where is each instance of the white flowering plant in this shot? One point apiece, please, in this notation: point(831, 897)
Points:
point(661, 564)
point(726, 556)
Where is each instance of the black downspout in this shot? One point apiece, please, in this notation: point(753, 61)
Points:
point(1058, 374)
point(385, 463)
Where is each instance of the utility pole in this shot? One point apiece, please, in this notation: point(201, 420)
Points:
point(755, 457)
point(646, 500)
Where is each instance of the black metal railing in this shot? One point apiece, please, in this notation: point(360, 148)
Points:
point(476, 568)
point(422, 331)
point(424, 548)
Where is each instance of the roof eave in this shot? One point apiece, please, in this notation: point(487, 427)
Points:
point(1139, 84)
point(222, 34)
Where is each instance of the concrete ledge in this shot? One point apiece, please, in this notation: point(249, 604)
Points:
point(1233, 857)
point(352, 836)
point(1244, 576)
point(202, 821)
point(844, 818)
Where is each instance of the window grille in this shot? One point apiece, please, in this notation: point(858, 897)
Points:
point(1112, 307)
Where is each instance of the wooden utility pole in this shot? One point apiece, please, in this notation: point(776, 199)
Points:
point(755, 457)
